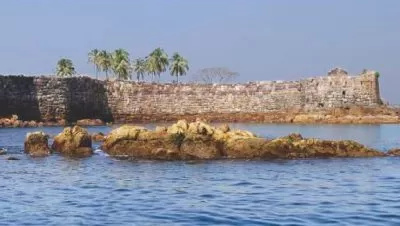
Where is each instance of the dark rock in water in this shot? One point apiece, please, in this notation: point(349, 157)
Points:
point(74, 142)
point(394, 152)
point(122, 157)
point(194, 162)
point(3, 151)
point(98, 137)
point(200, 141)
point(36, 144)
point(12, 158)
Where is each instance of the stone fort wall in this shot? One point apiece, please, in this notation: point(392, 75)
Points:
point(50, 98)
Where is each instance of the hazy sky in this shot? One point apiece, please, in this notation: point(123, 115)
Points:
point(260, 39)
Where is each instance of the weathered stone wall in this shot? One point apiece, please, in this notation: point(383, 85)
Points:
point(52, 99)
point(18, 95)
point(46, 98)
point(127, 98)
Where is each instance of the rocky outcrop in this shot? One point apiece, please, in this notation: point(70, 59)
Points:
point(14, 122)
point(295, 146)
point(36, 144)
point(138, 142)
point(90, 122)
point(75, 142)
point(198, 140)
point(394, 152)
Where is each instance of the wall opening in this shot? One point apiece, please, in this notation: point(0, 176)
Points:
point(344, 93)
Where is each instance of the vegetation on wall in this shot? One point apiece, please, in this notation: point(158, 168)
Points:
point(65, 68)
point(120, 65)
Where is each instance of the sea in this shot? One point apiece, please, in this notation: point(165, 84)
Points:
point(101, 190)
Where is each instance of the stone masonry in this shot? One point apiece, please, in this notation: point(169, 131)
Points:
point(50, 98)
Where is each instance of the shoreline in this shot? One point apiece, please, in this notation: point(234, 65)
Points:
point(345, 116)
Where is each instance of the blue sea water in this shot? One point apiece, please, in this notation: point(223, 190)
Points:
point(103, 191)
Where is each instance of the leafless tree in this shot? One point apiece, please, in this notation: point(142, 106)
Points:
point(215, 75)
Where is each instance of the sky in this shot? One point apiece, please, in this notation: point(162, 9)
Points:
point(259, 39)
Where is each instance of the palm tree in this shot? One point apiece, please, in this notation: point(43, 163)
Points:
point(179, 66)
point(157, 62)
point(120, 64)
point(105, 61)
point(94, 57)
point(65, 68)
point(139, 67)
point(151, 67)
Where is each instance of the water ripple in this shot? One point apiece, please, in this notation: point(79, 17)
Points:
point(104, 191)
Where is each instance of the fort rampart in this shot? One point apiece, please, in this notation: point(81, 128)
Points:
point(51, 98)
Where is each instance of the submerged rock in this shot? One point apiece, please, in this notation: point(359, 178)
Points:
point(75, 142)
point(36, 144)
point(12, 158)
point(198, 141)
point(98, 137)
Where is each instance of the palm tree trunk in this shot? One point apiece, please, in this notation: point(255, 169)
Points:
point(106, 75)
point(95, 70)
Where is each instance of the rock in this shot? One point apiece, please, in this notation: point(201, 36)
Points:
point(32, 124)
point(293, 137)
point(200, 141)
point(90, 122)
point(224, 128)
point(98, 137)
point(201, 128)
point(200, 147)
point(292, 147)
point(36, 144)
point(161, 129)
point(165, 154)
point(17, 124)
point(138, 142)
point(62, 122)
point(75, 142)
point(14, 118)
point(12, 158)
point(244, 147)
point(180, 127)
point(3, 151)
point(394, 152)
